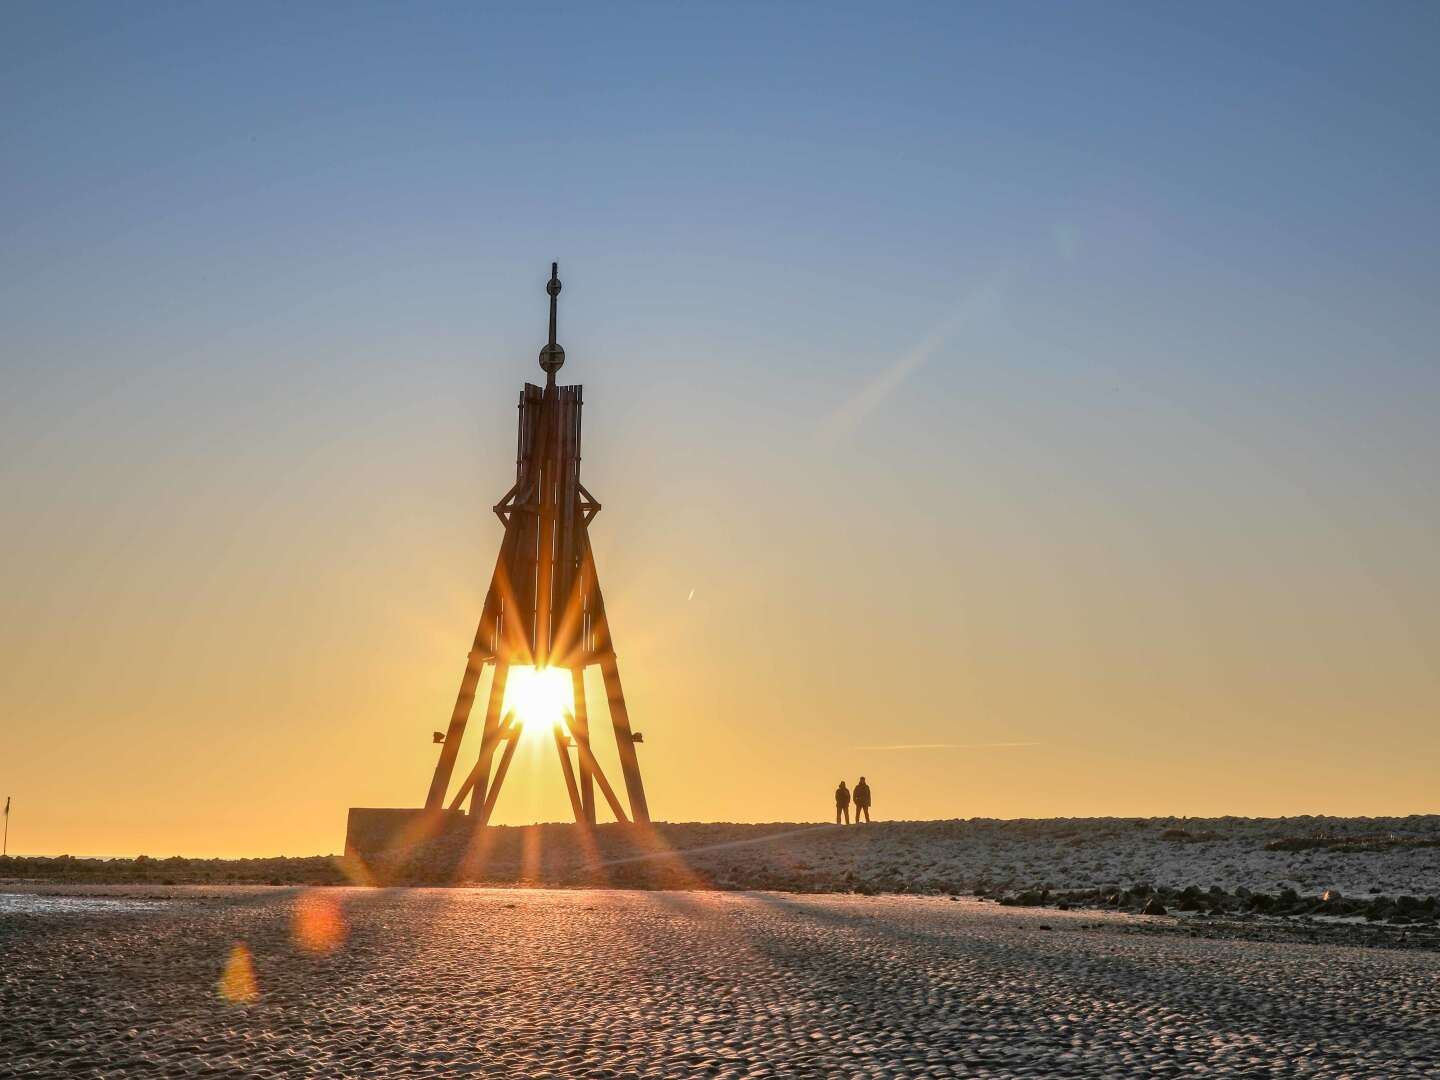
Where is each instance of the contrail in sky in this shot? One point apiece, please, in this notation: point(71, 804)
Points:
point(950, 746)
point(874, 393)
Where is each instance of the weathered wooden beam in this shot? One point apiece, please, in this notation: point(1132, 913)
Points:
point(455, 732)
point(491, 734)
point(563, 748)
point(580, 728)
point(609, 792)
point(624, 740)
point(511, 741)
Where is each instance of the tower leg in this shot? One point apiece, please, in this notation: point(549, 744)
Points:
point(494, 793)
point(580, 728)
point(625, 740)
point(490, 737)
point(562, 747)
point(599, 774)
point(456, 731)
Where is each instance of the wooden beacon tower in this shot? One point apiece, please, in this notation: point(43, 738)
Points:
point(544, 609)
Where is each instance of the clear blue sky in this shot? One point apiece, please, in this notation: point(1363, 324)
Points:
point(1094, 338)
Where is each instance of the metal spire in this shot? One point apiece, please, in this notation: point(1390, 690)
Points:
point(552, 356)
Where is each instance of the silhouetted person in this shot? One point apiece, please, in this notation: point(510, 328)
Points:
point(842, 803)
point(862, 800)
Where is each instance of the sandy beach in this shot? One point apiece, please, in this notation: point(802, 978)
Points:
point(609, 983)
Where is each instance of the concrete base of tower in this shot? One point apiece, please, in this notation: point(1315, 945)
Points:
point(372, 831)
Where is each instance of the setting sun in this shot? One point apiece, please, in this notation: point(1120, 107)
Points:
point(539, 697)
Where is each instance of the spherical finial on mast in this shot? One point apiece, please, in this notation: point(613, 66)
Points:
point(552, 356)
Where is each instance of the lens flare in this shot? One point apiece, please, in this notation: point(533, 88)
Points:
point(319, 925)
point(539, 697)
point(237, 981)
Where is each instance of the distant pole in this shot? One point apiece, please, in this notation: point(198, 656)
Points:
point(5, 849)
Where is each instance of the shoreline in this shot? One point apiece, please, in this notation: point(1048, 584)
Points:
point(1240, 923)
point(1367, 880)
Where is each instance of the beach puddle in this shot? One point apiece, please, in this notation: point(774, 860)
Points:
point(31, 904)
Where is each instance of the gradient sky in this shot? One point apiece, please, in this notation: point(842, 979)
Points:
point(1040, 402)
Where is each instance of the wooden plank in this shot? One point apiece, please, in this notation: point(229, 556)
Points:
point(481, 651)
point(605, 789)
point(499, 781)
point(549, 464)
point(455, 732)
point(580, 728)
point(624, 739)
point(619, 714)
point(564, 751)
point(491, 734)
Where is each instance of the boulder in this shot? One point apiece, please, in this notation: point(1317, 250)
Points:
point(1153, 907)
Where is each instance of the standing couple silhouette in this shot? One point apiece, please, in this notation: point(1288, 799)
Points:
point(861, 798)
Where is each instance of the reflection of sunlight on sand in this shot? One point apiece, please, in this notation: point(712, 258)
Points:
point(686, 877)
point(579, 860)
point(471, 866)
point(237, 982)
point(661, 852)
point(318, 925)
point(590, 860)
point(530, 844)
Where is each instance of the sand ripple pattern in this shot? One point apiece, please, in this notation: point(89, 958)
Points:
point(593, 983)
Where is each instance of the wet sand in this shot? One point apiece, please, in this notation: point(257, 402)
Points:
point(451, 982)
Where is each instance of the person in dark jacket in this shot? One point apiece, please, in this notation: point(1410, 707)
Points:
point(862, 800)
point(842, 803)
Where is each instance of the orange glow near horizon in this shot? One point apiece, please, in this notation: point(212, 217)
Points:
point(540, 698)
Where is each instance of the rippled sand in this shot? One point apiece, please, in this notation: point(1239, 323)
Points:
point(613, 984)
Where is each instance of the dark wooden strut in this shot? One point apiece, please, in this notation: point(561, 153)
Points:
point(562, 746)
point(580, 729)
point(512, 740)
point(544, 608)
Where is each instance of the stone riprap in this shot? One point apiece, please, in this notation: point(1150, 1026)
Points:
point(1360, 858)
point(1354, 856)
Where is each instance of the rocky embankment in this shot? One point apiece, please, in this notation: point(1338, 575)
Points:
point(1145, 899)
point(1373, 920)
point(174, 870)
point(1376, 872)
